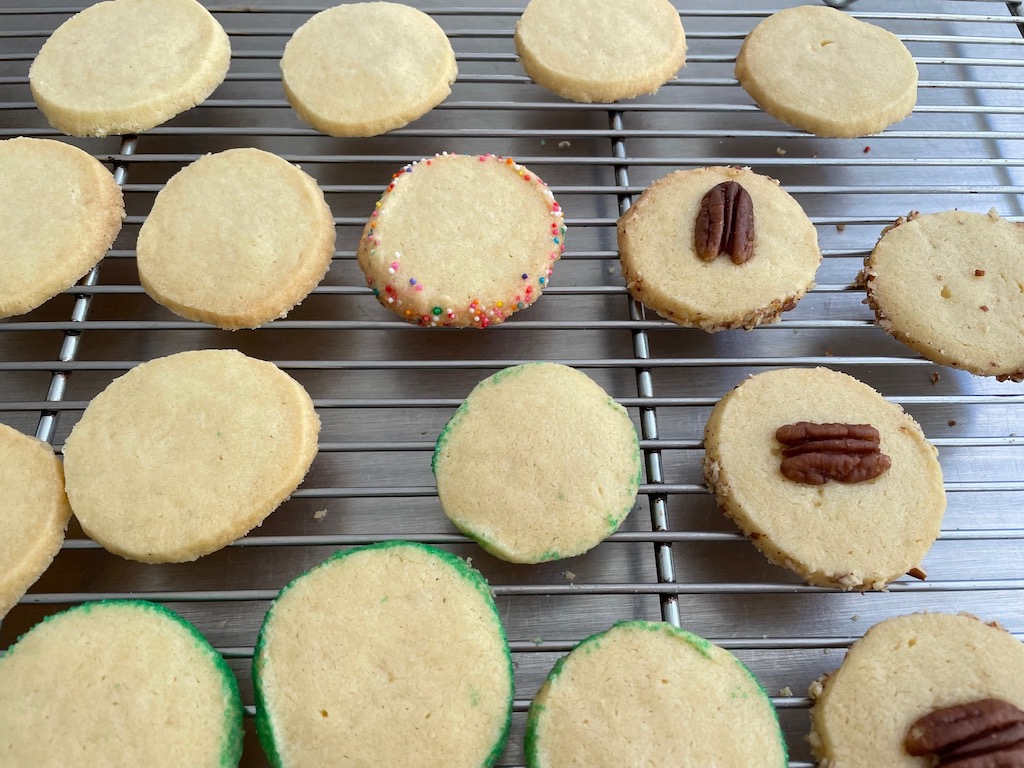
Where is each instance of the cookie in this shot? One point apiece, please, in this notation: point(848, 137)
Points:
point(825, 72)
point(841, 533)
point(367, 68)
point(951, 286)
point(600, 50)
point(647, 693)
point(556, 489)
point(125, 66)
point(184, 454)
point(461, 241)
point(236, 239)
point(118, 683)
point(391, 654)
point(60, 211)
point(664, 270)
point(34, 512)
point(903, 669)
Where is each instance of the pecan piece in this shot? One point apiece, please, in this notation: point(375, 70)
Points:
point(725, 224)
point(817, 453)
point(802, 431)
point(981, 734)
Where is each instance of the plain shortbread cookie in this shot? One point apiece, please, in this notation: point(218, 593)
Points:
point(236, 239)
point(549, 492)
point(951, 286)
point(903, 669)
point(825, 72)
point(390, 655)
point(367, 68)
point(34, 512)
point(125, 66)
point(600, 50)
point(662, 269)
point(119, 684)
point(184, 454)
point(851, 536)
point(646, 693)
point(60, 211)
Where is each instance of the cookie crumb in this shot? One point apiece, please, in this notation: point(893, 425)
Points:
point(983, 308)
point(855, 617)
point(564, 144)
point(935, 377)
point(320, 514)
point(568, 575)
point(828, 352)
point(780, 151)
point(918, 573)
point(866, 150)
point(469, 561)
point(787, 691)
point(979, 273)
point(951, 423)
point(840, 227)
point(538, 640)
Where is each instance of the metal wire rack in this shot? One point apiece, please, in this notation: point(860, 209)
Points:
point(383, 389)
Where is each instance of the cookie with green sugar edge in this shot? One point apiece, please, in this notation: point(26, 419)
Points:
point(129, 683)
point(390, 654)
point(647, 693)
point(538, 464)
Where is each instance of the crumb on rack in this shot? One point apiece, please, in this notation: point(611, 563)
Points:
point(787, 691)
point(780, 151)
point(840, 227)
point(568, 575)
point(935, 377)
point(564, 144)
point(855, 617)
point(320, 514)
point(951, 423)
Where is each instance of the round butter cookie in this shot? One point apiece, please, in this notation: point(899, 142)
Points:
point(236, 239)
point(125, 66)
point(538, 493)
point(461, 241)
point(647, 693)
point(184, 454)
point(34, 512)
point(821, 70)
point(367, 68)
point(854, 532)
point(902, 670)
point(60, 211)
point(118, 683)
point(951, 286)
point(600, 50)
point(391, 654)
point(664, 268)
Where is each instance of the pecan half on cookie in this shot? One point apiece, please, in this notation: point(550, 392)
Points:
point(725, 224)
point(817, 453)
point(980, 734)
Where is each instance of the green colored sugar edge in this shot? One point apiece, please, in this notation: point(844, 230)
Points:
point(264, 726)
point(593, 643)
point(231, 749)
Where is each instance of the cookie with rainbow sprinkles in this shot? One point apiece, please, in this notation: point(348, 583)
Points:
point(461, 240)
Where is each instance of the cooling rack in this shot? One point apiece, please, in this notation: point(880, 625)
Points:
point(384, 389)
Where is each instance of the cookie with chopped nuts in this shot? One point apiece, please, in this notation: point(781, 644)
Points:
point(718, 248)
point(825, 477)
point(951, 286)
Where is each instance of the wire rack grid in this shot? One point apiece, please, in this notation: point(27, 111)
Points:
point(384, 389)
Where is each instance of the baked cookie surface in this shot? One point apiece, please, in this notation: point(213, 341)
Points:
point(600, 50)
point(130, 684)
point(646, 693)
point(366, 68)
point(825, 72)
point(551, 492)
point(60, 211)
point(236, 239)
point(860, 535)
point(660, 263)
point(34, 512)
point(951, 286)
point(184, 454)
point(125, 66)
point(391, 654)
point(458, 240)
point(903, 669)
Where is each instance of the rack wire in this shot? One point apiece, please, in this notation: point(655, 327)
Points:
point(383, 389)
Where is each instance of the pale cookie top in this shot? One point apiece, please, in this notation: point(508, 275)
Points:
point(184, 454)
point(554, 490)
point(388, 655)
point(646, 693)
point(662, 269)
point(367, 68)
point(121, 684)
point(125, 66)
point(600, 50)
point(951, 285)
point(236, 239)
point(903, 669)
point(33, 512)
point(458, 240)
point(60, 211)
point(821, 70)
point(853, 536)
